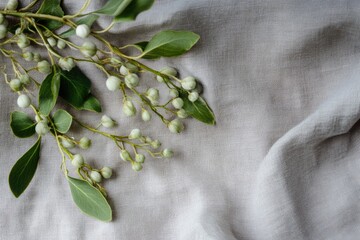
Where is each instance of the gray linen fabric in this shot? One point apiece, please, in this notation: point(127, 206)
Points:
point(283, 78)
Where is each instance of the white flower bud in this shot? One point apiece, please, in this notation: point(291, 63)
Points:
point(12, 5)
point(52, 41)
point(124, 71)
point(44, 67)
point(3, 31)
point(42, 128)
point(82, 31)
point(18, 31)
point(113, 83)
point(167, 71)
point(84, 143)
point(61, 44)
point(23, 41)
point(23, 101)
point(152, 94)
point(24, 79)
point(77, 160)
point(106, 172)
point(28, 56)
point(167, 153)
point(66, 63)
point(125, 155)
point(136, 166)
point(193, 96)
point(2, 18)
point(107, 121)
point(131, 67)
point(135, 134)
point(140, 158)
point(145, 115)
point(132, 80)
point(178, 103)
point(173, 93)
point(67, 143)
point(37, 57)
point(188, 83)
point(129, 108)
point(15, 84)
point(176, 126)
point(89, 49)
point(95, 176)
point(155, 144)
point(182, 113)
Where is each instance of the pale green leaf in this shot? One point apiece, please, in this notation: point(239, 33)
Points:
point(62, 120)
point(21, 125)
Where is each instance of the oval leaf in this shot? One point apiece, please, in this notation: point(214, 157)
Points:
point(135, 8)
point(62, 120)
point(21, 125)
point(24, 170)
point(91, 104)
point(169, 44)
point(90, 200)
point(114, 7)
point(48, 93)
point(88, 20)
point(51, 7)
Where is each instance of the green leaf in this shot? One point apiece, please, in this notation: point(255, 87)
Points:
point(169, 44)
point(88, 20)
point(62, 120)
point(24, 170)
point(114, 7)
point(91, 104)
point(90, 200)
point(48, 93)
point(198, 109)
point(74, 87)
point(21, 125)
point(51, 7)
point(133, 9)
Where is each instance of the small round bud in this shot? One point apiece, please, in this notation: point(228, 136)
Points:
point(23, 41)
point(37, 57)
point(152, 94)
point(77, 160)
point(12, 5)
point(140, 158)
point(124, 71)
point(173, 93)
point(3, 31)
point(132, 80)
point(178, 103)
point(113, 83)
point(18, 31)
point(28, 56)
point(193, 96)
point(82, 31)
point(167, 153)
point(155, 144)
point(182, 113)
point(44, 67)
point(176, 126)
point(145, 115)
point(84, 143)
point(61, 44)
point(67, 143)
point(129, 108)
point(52, 41)
point(136, 166)
point(106, 172)
point(23, 101)
point(66, 63)
point(169, 71)
point(89, 49)
point(135, 134)
point(95, 176)
point(24, 79)
point(42, 128)
point(125, 155)
point(188, 83)
point(107, 122)
point(131, 67)
point(15, 84)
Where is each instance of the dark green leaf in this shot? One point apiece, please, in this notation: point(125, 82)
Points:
point(62, 120)
point(48, 94)
point(21, 125)
point(169, 44)
point(88, 20)
point(198, 109)
point(24, 170)
point(51, 7)
point(90, 200)
point(91, 104)
point(135, 8)
point(114, 7)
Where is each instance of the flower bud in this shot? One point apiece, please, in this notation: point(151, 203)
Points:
point(66, 63)
point(28, 56)
point(12, 5)
point(129, 108)
point(193, 96)
point(152, 94)
point(140, 158)
point(24, 79)
point(125, 155)
point(107, 121)
point(155, 144)
point(167, 153)
point(182, 113)
point(173, 93)
point(52, 41)
point(15, 84)
point(23, 41)
point(106, 172)
point(136, 166)
point(67, 143)
point(188, 83)
point(145, 115)
point(132, 80)
point(23, 101)
point(82, 31)
point(176, 126)
point(113, 83)
point(3, 31)
point(131, 67)
point(89, 49)
point(178, 103)
point(77, 160)
point(84, 143)
point(124, 71)
point(135, 134)
point(18, 31)
point(37, 57)
point(42, 128)
point(61, 44)
point(44, 67)
point(95, 176)
point(167, 71)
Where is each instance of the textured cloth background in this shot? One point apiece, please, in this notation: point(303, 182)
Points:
point(283, 78)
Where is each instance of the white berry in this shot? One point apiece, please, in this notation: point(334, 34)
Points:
point(77, 160)
point(188, 83)
point(95, 176)
point(113, 83)
point(82, 30)
point(23, 101)
point(106, 172)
